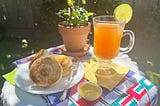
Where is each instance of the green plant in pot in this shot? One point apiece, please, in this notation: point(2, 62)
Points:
point(74, 27)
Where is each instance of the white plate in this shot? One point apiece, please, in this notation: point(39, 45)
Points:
point(24, 82)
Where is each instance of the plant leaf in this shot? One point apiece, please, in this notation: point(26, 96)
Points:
point(89, 14)
point(84, 1)
point(70, 2)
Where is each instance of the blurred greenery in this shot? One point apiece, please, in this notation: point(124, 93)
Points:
point(154, 77)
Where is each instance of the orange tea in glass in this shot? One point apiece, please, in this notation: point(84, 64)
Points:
point(107, 37)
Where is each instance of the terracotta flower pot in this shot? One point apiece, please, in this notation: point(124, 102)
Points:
point(74, 38)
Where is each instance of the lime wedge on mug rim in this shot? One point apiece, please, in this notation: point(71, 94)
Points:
point(123, 13)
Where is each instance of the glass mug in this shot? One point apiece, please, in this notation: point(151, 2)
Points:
point(107, 37)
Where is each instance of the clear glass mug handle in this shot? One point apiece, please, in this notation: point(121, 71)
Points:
point(131, 41)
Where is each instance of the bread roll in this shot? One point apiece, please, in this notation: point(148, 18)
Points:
point(65, 62)
point(45, 70)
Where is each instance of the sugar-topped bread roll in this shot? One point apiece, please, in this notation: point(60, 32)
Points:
point(45, 70)
point(39, 54)
point(65, 62)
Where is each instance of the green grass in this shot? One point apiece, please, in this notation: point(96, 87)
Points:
point(9, 52)
point(154, 77)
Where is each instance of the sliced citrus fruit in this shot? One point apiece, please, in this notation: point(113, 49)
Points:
point(123, 13)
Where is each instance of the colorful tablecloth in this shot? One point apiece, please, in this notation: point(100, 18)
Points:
point(134, 90)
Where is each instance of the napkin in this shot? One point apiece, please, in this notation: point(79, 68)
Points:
point(107, 79)
point(10, 76)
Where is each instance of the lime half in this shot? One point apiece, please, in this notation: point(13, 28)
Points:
point(123, 13)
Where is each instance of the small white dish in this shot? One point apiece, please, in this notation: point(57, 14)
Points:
point(89, 91)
